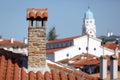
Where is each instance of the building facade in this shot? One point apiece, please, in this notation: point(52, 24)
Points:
point(72, 46)
point(14, 46)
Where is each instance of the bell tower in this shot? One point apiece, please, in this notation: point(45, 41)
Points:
point(37, 38)
point(89, 26)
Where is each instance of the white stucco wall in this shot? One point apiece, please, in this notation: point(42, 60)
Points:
point(79, 47)
point(22, 50)
point(103, 68)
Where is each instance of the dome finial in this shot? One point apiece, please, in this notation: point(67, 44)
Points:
point(88, 7)
point(88, 13)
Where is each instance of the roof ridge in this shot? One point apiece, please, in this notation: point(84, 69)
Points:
point(62, 39)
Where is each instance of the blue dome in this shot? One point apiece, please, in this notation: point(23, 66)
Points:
point(88, 14)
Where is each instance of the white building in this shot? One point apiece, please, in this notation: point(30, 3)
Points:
point(86, 43)
point(14, 46)
point(70, 47)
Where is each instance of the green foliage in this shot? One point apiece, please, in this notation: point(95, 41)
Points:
point(103, 41)
point(52, 34)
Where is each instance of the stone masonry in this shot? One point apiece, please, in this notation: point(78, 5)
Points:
point(37, 46)
point(36, 39)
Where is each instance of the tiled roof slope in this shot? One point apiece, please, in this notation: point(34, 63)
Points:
point(8, 42)
point(11, 68)
point(52, 50)
point(111, 46)
point(62, 40)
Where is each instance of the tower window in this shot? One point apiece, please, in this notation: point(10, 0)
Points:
point(67, 55)
point(90, 21)
point(94, 49)
point(86, 48)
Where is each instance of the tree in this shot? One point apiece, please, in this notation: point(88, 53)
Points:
point(103, 41)
point(52, 34)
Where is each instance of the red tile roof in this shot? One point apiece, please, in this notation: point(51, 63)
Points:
point(15, 43)
point(75, 75)
point(11, 68)
point(111, 46)
point(37, 13)
point(53, 50)
point(49, 51)
point(86, 62)
point(62, 40)
point(84, 59)
point(81, 60)
point(83, 55)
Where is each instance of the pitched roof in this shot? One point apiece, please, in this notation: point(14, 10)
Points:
point(82, 56)
point(49, 51)
point(53, 50)
point(86, 62)
point(11, 68)
point(84, 59)
point(62, 40)
point(111, 46)
point(15, 43)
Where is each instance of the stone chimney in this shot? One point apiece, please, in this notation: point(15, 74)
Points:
point(37, 39)
point(113, 68)
point(103, 68)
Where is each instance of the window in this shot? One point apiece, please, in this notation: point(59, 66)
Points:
point(67, 55)
point(86, 48)
point(64, 44)
point(79, 48)
point(47, 46)
point(51, 46)
point(59, 45)
point(86, 21)
point(90, 21)
point(94, 49)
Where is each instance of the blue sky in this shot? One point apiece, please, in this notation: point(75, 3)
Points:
point(66, 15)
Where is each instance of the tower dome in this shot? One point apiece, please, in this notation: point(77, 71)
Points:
point(89, 26)
point(88, 13)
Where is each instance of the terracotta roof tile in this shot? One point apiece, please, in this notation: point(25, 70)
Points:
point(62, 40)
point(8, 42)
point(83, 55)
point(53, 50)
point(78, 78)
point(47, 76)
point(32, 75)
point(55, 74)
point(33, 13)
point(111, 46)
point(39, 76)
point(64, 71)
point(11, 68)
point(63, 76)
point(23, 75)
point(80, 59)
point(38, 15)
point(87, 62)
point(71, 77)
point(16, 71)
